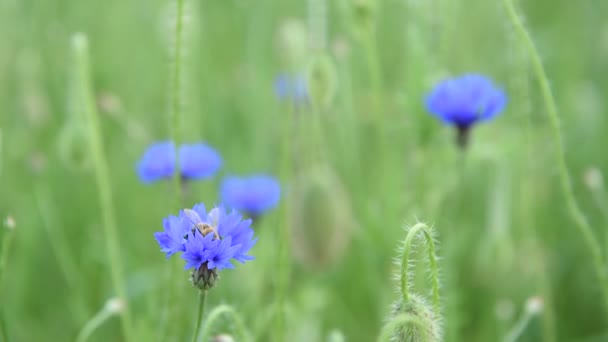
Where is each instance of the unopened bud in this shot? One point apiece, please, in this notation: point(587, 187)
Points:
point(292, 43)
point(322, 81)
point(363, 14)
point(322, 218)
point(204, 278)
point(420, 323)
point(73, 146)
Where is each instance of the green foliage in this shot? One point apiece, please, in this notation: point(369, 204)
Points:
point(505, 231)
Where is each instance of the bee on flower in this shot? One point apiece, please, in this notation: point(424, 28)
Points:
point(208, 241)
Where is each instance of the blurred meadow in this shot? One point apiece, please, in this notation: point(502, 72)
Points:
point(358, 156)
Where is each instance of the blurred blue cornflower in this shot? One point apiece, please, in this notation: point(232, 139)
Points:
point(291, 89)
point(197, 161)
point(253, 195)
point(463, 101)
point(209, 241)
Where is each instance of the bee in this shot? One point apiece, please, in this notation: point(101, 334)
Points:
point(203, 228)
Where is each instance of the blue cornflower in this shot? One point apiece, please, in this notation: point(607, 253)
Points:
point(291, 88)
point(253, 195)
point(209, 241)
point(157, 162)
point(463, 101)
point(197, 161)
point(173, 239)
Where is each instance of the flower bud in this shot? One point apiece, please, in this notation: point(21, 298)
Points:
point(204, 278)
point(322, 219)
point(73, 147)
point(292, 43)
point(322, 81)
point(413, 321)
point(363, 15)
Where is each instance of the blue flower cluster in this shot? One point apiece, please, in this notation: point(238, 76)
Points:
point(254, 195)
point(208, 241)
point(291, 88)
point(464, 101)
point(197, 161)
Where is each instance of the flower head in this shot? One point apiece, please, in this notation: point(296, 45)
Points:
point(253, 195)
point(465, 100)
point(157, 162)
point(173, 239)
point(209, 241)
point(197, 161)
point(291, 88)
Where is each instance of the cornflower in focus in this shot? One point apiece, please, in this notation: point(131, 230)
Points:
point(253, 195)
point(197, 161)
point(464, 101)
point(291, 89)
point(208, 241)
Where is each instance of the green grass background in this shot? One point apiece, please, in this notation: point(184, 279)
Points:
point(503, 230)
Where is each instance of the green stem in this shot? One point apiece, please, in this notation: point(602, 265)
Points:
point(4, 252)
point(174, 294)
point(6, 245)
point(283, 267)
point(407, 245)
point(61, 248)
point(3, 329)
point(102, 177)
point(566, 185)
point(373, 65)
point(401, 320)
point(176, 97)
point(94, 323)
point(199, 316)
point(243, 333)
point(519, 327)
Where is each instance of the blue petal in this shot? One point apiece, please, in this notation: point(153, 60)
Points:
point(198, 161)
point(464, 100)
point(254, 195)
point(157, 162)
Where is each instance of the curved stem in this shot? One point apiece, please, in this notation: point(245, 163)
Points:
point(519, 327)
point(412, 233)
point(402, 319)
point(93, 324)
point(199, 316)
point(215, 314)
point(566, 185)
point(102, 177)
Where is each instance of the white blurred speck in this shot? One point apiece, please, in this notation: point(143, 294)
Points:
point(115, 305)
point(9, 222)
point(534, 305)
point(593, 178)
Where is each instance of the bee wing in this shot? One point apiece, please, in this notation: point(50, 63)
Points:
point(193, 216)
